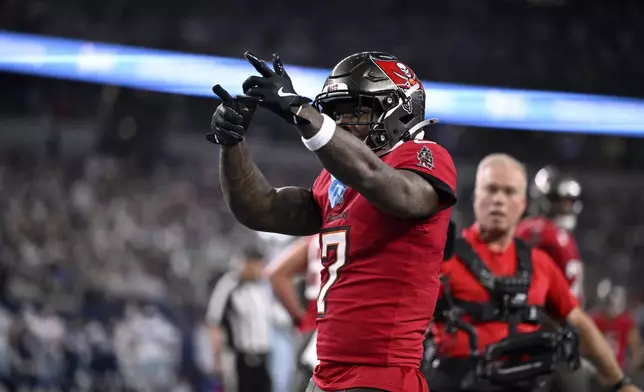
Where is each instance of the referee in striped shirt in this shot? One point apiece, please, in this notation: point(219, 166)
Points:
point(241, 306)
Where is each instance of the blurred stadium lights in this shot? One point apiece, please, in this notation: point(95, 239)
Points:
point(190, 74)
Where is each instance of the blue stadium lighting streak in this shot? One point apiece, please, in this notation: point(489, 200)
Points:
point(190, 74)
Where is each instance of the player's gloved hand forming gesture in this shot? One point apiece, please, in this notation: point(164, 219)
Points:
point(274, 89)
point(231, 119)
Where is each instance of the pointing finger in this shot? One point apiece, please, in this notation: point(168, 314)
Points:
point(259, 65)
point(278, 66)
point(222, 94)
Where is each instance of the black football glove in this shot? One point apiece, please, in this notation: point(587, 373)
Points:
point(231, 119)
point(274, 89)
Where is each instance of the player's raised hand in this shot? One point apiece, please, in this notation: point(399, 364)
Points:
point(273, 88)
point(231, 119)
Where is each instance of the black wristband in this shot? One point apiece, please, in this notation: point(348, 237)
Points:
point(622, 383)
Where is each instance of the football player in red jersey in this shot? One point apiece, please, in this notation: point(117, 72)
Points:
point(382, 206)
point(555, 205)
point(300, 258)
point(619, 328)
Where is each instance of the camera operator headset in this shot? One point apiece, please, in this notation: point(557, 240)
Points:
point(486, 322)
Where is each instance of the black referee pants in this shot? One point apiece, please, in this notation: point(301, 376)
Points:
point(252, 373)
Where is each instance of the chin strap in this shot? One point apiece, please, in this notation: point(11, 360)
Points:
point(417, 131)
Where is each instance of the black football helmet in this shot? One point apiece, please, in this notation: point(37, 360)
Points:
point(557, 196)
point(386, 85)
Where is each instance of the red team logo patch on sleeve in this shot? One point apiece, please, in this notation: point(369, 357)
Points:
point(399, 73)
point(425, 158)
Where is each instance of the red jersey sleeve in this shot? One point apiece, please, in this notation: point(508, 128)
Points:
point(432, 162)
point(559, 300)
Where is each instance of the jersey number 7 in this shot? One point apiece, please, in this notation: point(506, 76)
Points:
point(334, 247)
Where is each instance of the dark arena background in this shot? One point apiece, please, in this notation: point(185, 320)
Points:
point(113, 227)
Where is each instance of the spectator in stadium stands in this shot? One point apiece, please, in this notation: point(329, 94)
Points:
point(241, 306)
point(48, 330)
point(6, 322)
point(500, 285)
point(150, 348)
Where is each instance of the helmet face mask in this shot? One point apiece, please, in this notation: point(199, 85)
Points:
point(564, 211)
point(383, 84)
point(356, 113)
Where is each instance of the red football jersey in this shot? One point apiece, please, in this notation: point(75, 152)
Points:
point(380, 278)
point(540, 232)
point(616, 332)
point(547, 289)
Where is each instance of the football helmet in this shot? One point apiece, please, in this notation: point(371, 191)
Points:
point(557, 196)
point(386, 85)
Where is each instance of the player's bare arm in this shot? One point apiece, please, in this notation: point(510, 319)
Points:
point(400, 193)
point(595, 347)
point(251, 199)
point(259, 206)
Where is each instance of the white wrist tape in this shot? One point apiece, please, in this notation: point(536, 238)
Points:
point(323, 136)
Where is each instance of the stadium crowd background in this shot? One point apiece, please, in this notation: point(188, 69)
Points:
point(112, 225)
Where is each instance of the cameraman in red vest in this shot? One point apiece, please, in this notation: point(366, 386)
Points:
point(494, 289)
